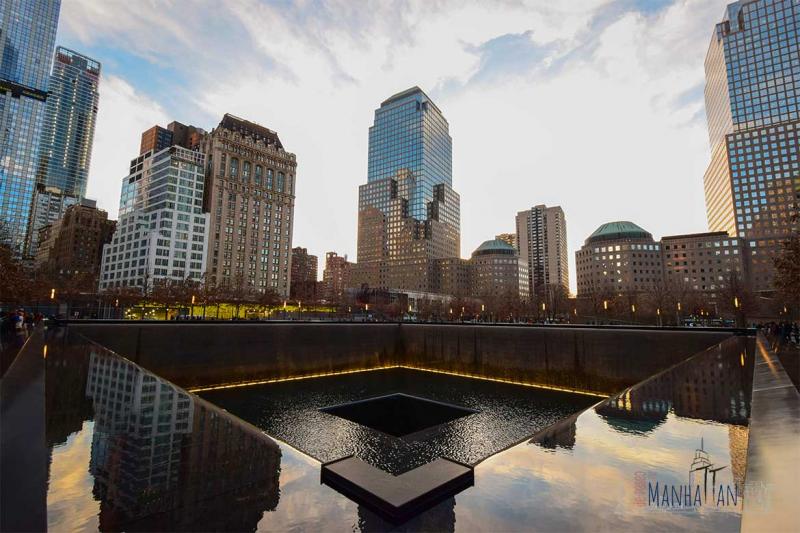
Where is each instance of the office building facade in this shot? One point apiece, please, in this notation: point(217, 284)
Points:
point(67, 136)
point(336, 277)
point(409, 215)
point(618, 257)
point(250, 197)
point(303, 285)
point(74, 243)
point(542, 242)
point(710, 262)
point(28, 29)
point(752, 184)
point(162, 231)
point(498, 272)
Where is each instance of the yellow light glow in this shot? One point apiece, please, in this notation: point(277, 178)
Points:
point(52, 294)
point(44, 352)
point(192, 299)
point(435, 371)
point(605, 304)
point(633, 308)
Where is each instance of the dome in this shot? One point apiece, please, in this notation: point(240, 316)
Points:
point(494, 246)
point(622, 229)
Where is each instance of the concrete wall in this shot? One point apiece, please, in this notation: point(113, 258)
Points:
point(597, 359)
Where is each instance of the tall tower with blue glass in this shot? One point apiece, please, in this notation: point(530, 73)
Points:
point(27, 38)
point(752, 184)
point(409, 215)
point(65, 149)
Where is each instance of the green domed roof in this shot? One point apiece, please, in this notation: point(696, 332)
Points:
point(494, 246)
point(621, 229)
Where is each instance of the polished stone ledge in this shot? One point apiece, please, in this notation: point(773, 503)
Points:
point(773, 453)
point(397, 498)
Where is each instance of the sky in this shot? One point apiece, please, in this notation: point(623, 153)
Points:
point(593, 105)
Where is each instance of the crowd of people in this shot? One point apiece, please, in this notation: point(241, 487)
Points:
point(782, 333)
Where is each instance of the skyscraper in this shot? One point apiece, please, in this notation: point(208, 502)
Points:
point(27, 38)
point(409, 215)
point(752, 183)
point(542, 242)
point(249, 193)
point(162, 232)
point(67, 136)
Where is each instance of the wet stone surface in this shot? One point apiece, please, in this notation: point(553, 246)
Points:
point(295, 412)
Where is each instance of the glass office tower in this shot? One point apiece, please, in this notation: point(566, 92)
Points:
point(411, 134)
point(752, 184)
point(27, 37)
point(408, 212)
point(66, 144)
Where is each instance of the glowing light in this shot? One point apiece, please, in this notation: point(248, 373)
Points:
point(281, 380)
point(52, 294)
point(44, 352)
point(736, 302)
point(658, 311)
point(605, 304)
point(432, 370)
point(679, 306)
point(192, 299)
point(741, 359)
point(633, 308)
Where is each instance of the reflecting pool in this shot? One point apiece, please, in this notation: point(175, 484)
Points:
point(127, 450)
point(293, 412)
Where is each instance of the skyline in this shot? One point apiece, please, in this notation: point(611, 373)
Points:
point(512, 89)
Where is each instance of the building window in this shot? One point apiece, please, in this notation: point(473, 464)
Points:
point(234, 167)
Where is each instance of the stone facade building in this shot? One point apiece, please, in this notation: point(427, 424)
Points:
point(498, 271)
point(304, 275)
point(336, 277)
point(708, 262)
point(618, 257)
point(74, 243)
point(250, 197)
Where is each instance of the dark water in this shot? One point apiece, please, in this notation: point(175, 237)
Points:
point(121, 449)
point(290, 411)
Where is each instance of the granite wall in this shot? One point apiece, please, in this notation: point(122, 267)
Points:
point(597, 359)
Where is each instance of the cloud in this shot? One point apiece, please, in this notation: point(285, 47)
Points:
point(592, 105)
point(123, 115)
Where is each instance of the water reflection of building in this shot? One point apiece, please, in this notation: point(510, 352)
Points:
point(165, 460)
point(559, 435)
point(714, 386)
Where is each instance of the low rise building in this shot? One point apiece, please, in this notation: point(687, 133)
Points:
point(619, 257)
point(74, 243)
point(498, 271)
